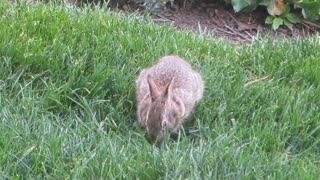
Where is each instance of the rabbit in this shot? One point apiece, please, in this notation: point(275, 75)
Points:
point(167, 93)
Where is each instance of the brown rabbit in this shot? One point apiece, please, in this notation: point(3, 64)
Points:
point(167, 93)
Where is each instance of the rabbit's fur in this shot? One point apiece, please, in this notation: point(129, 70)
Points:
point(167, 93)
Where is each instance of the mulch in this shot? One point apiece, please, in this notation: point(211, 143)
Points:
point(222, 21)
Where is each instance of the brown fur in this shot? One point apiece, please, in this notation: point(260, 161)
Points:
point(167, 93)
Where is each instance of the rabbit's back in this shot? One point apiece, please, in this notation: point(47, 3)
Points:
point(170, 67)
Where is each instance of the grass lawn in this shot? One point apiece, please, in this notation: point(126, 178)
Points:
point(67, 100)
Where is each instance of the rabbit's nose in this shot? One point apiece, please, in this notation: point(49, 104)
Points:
point(150, 139)
point(153, 139)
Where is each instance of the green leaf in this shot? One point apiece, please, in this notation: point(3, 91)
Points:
point(277, 22)
point(310, 10)
point(292, 18)
point(269, 20)
point(286, 9)
point(238, 5)
point(253, 2)
point(264, 2)
point(288, 24)
point(310, 14)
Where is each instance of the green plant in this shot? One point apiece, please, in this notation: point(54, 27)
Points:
point(286, 18)
point(279, 10)
point(310, 9)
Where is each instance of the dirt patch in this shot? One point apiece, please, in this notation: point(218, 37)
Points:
point(225, 23)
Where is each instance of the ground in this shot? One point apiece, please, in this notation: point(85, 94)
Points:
point(215, 17)
point(224, 22)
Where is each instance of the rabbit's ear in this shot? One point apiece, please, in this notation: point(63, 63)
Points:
point(169, 90)
point(154, 91)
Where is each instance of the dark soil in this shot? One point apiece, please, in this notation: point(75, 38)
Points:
point(221, 20)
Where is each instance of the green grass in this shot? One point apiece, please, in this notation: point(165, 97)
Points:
point(67, 100)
